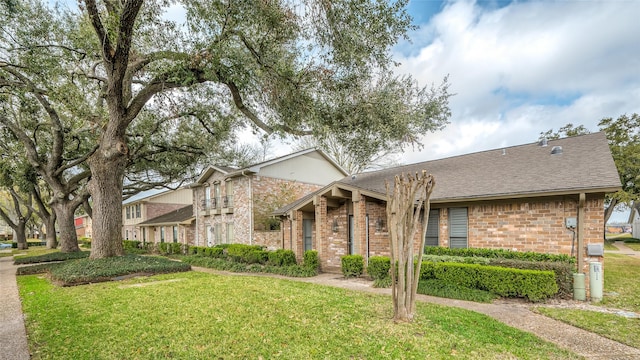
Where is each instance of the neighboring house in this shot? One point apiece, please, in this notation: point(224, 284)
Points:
point(175, 226)
point(546, 198)
point(235, 205)
point(148, 205)
point(83, 226)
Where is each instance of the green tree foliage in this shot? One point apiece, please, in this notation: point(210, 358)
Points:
point(140, 86)
point(623, 134)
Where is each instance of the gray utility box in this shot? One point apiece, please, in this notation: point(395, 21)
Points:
point(595, 250)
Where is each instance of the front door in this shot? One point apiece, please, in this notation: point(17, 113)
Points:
point(307, 230)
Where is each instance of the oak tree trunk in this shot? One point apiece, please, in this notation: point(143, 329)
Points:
point(107, 173)
point(21, 235)
point(50, 229)
point(65, 218)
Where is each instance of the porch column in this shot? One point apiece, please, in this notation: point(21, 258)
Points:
point(580, 234)
point(359, 231)
point(320, 245)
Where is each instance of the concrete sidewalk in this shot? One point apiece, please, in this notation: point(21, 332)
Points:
point(13, 337)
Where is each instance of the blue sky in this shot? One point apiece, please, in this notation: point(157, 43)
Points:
point(522, 67)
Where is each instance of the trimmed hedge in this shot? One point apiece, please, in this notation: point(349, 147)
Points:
point(222, 264)
point(54, 256)
point(379, 267)
point(84, 271)
point(352, 265)
point(282, 257)
point(534, 285)
point(441, 288)
point(249, 254)
point(311, 260)
point(497, 253)
point(563, 272)
point(632, 241)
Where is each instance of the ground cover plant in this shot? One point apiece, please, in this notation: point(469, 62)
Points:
point(49, 256)
point(621, 291)
point(82, 271)
point(204, 316)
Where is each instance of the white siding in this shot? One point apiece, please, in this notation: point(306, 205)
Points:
point(310, 168)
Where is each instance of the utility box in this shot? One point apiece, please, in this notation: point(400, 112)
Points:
point(595, 250)
point(570, 222)
point(596, 281)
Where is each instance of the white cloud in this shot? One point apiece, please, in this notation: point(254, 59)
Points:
point(525, 68)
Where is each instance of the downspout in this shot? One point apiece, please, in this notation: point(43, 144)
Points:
point(250, 207)
point(581, 216)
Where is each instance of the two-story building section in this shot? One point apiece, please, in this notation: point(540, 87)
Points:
point(149, 205)
point(236, 205)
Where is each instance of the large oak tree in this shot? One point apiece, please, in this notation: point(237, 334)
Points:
point(279, 67)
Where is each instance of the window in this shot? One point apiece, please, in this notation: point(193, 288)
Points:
point(128, 212)
point(433, 230)
point(228, 201)
point(207, 197)
point(126, 236)
point(218, 234)
point(144, 235)
point(458, 228)
point(138, 215)
point(162, 234)
point(175, 234)
point(216, 195)
point(229, 233)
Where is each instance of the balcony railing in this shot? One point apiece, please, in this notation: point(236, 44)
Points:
point(211, 204)
point(227, 201)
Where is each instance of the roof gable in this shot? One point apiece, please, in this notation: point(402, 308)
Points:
point(584, 164)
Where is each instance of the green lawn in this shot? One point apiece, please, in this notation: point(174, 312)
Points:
point(204, 316)
point(608, 245)
point(633, 246)
point(621, 274)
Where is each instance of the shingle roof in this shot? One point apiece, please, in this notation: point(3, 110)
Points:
point(584, 164)
point(173, 217)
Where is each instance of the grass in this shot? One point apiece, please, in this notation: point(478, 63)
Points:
point(608, 245)
point(621, 273)
point(204, 316)
point(635, 247)
point(614, 237)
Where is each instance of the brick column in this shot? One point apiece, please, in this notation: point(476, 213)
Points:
point(359, 224)
point(321, 240)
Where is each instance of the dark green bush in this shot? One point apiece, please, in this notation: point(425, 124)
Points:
point(226, 265)
point(465, 275)
point(175, 248)
point(311, 259)
point(85, 271)
point(130, 244)
point(632, 241)
point(352, 265)
point(534, 285)
point(379, 267)
point(243, 253)
point(497, 253)
point(456, 259)
point(444, 289)
point(55, 256)
point(282, 257)
point(217, 252)
point(563, 272)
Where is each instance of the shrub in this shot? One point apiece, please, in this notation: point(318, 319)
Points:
point(563, 272)
point(55, 256)
point(352, 265)
point(441, 288)
point(534, 285)
point(241, 252)
point(379, 267)
point(632, 241)
point(456, 259)
point(85, 271)
point(497, 253)
point(311, 260)
point(130, 244)
point(217, 252)
point(85, 241)
point(282, 257)
point(175, 248)
point(222, 264)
